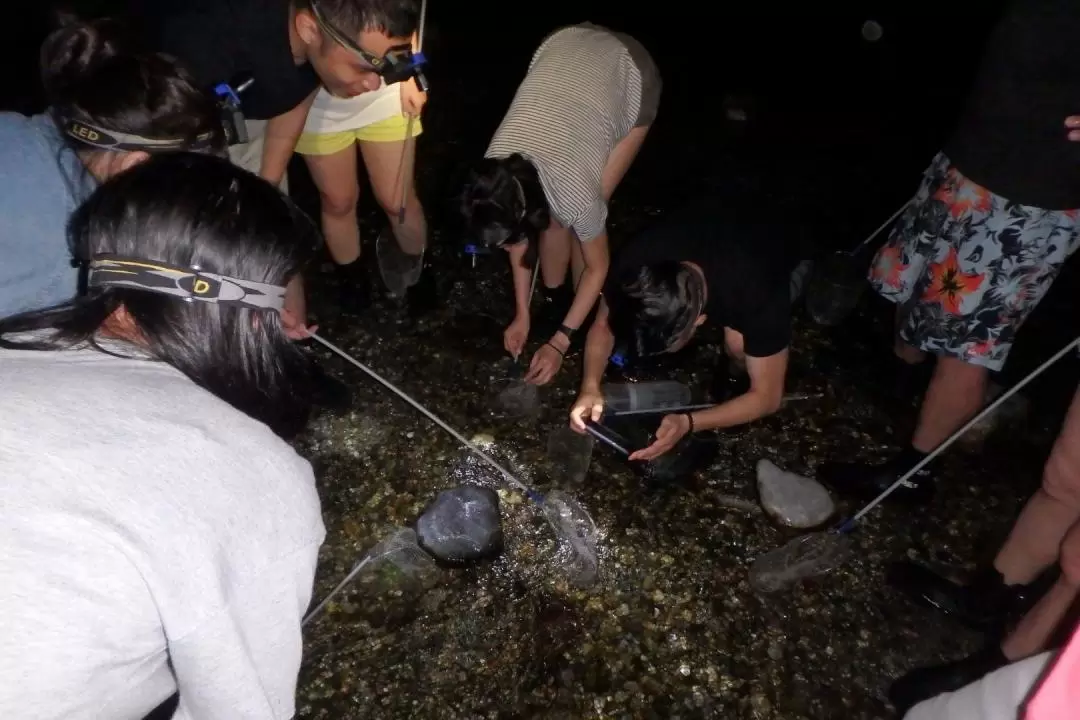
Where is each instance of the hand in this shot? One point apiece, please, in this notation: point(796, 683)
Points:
point(412, 98)
point(588, 406)
point(545, 363)
point(672, 429)
point(515, 335)
point(1073, 124)
point(294, 329)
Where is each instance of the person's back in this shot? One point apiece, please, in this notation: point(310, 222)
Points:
point(159, 535)
point(41, 182)
point(1011, 137)
point(144, 521)
point(582, 94)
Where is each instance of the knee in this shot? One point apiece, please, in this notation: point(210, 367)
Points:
point(340, 202)
point(1070, 556)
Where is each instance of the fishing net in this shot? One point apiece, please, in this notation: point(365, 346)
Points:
point(804, 557)
point(572, 525)
point(576, 534)
point(835, 288)
point(570, 454)
point(517, 398)
point(398, 269)
point(396, 564)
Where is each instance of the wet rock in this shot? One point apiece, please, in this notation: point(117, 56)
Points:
point(791, 499)
point(462, 525)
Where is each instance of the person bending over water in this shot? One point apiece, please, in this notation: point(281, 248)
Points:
point(573, 129)
point(698, 265)
point(159, 536)
point(97, 88)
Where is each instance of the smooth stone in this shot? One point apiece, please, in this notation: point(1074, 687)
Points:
point(462, 525)
point(791, 499)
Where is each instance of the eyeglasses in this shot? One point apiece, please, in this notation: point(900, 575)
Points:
point(374, 62)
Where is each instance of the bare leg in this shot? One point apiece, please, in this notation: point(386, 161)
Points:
point(621, 158)
point(555, 249)
point(1036, 629)
point(957, 391)
point(1036, 538)
point(339, 189)
point(559, 247)
point(383, 161)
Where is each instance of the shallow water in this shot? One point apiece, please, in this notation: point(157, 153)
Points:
point(672, 629)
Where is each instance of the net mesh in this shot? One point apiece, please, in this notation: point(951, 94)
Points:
point(803, 557)
point(396, 564)
point(398, 269)
point(577, 536)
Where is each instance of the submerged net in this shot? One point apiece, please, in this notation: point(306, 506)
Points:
point(570, 454)
point(396, 563)
point(398, 269)
point(517, 398)
point(804, 557)
point(576, 534)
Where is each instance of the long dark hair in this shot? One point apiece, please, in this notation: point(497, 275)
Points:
point(96, 72)
point(189, 210)
point(504, 203)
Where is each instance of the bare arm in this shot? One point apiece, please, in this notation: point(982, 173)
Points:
point(522, 277)
point(589, 288)
point(282, 132)
point(598, 346)
point(764, 397)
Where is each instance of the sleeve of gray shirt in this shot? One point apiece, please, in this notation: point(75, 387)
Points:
point(243, 661)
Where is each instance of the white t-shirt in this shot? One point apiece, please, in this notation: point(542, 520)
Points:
point(144, 522)
point(330, 114)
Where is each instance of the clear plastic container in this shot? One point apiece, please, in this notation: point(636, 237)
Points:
point(655, 395)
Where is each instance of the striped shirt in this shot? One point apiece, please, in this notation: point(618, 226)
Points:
point(580, 97)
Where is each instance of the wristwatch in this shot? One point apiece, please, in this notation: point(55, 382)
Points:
point(567, 331)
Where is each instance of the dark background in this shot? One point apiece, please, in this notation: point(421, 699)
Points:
point(839, 128)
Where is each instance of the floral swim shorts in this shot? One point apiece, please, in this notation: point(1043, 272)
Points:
point(967, 266)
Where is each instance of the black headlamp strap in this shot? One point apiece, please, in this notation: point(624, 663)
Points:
point(190, 284)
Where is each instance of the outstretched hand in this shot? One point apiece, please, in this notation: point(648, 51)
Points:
point(673, 428)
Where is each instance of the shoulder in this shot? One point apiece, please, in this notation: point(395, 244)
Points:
point(183, 447)
point(35, 158)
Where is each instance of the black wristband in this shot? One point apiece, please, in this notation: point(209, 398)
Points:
point(552, 346)
point(567, 331)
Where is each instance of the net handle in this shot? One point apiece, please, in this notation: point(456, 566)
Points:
point(529, 492)
point(850, 524)
point(409, 125)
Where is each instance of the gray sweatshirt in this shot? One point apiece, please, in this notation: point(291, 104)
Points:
point(152, 539)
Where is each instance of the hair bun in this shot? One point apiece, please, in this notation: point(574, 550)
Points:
point(75, 50)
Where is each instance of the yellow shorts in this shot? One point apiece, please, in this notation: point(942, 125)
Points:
point(391, 129)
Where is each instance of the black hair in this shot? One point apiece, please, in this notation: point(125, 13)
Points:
point(393, 18)
point(95, 72)
point(504, 202)
point(653, 306)
point(186, 210)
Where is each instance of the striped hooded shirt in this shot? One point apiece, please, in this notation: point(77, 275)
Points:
point(581, 96)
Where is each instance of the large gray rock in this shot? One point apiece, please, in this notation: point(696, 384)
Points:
point(791, 499)
point(462, 525)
